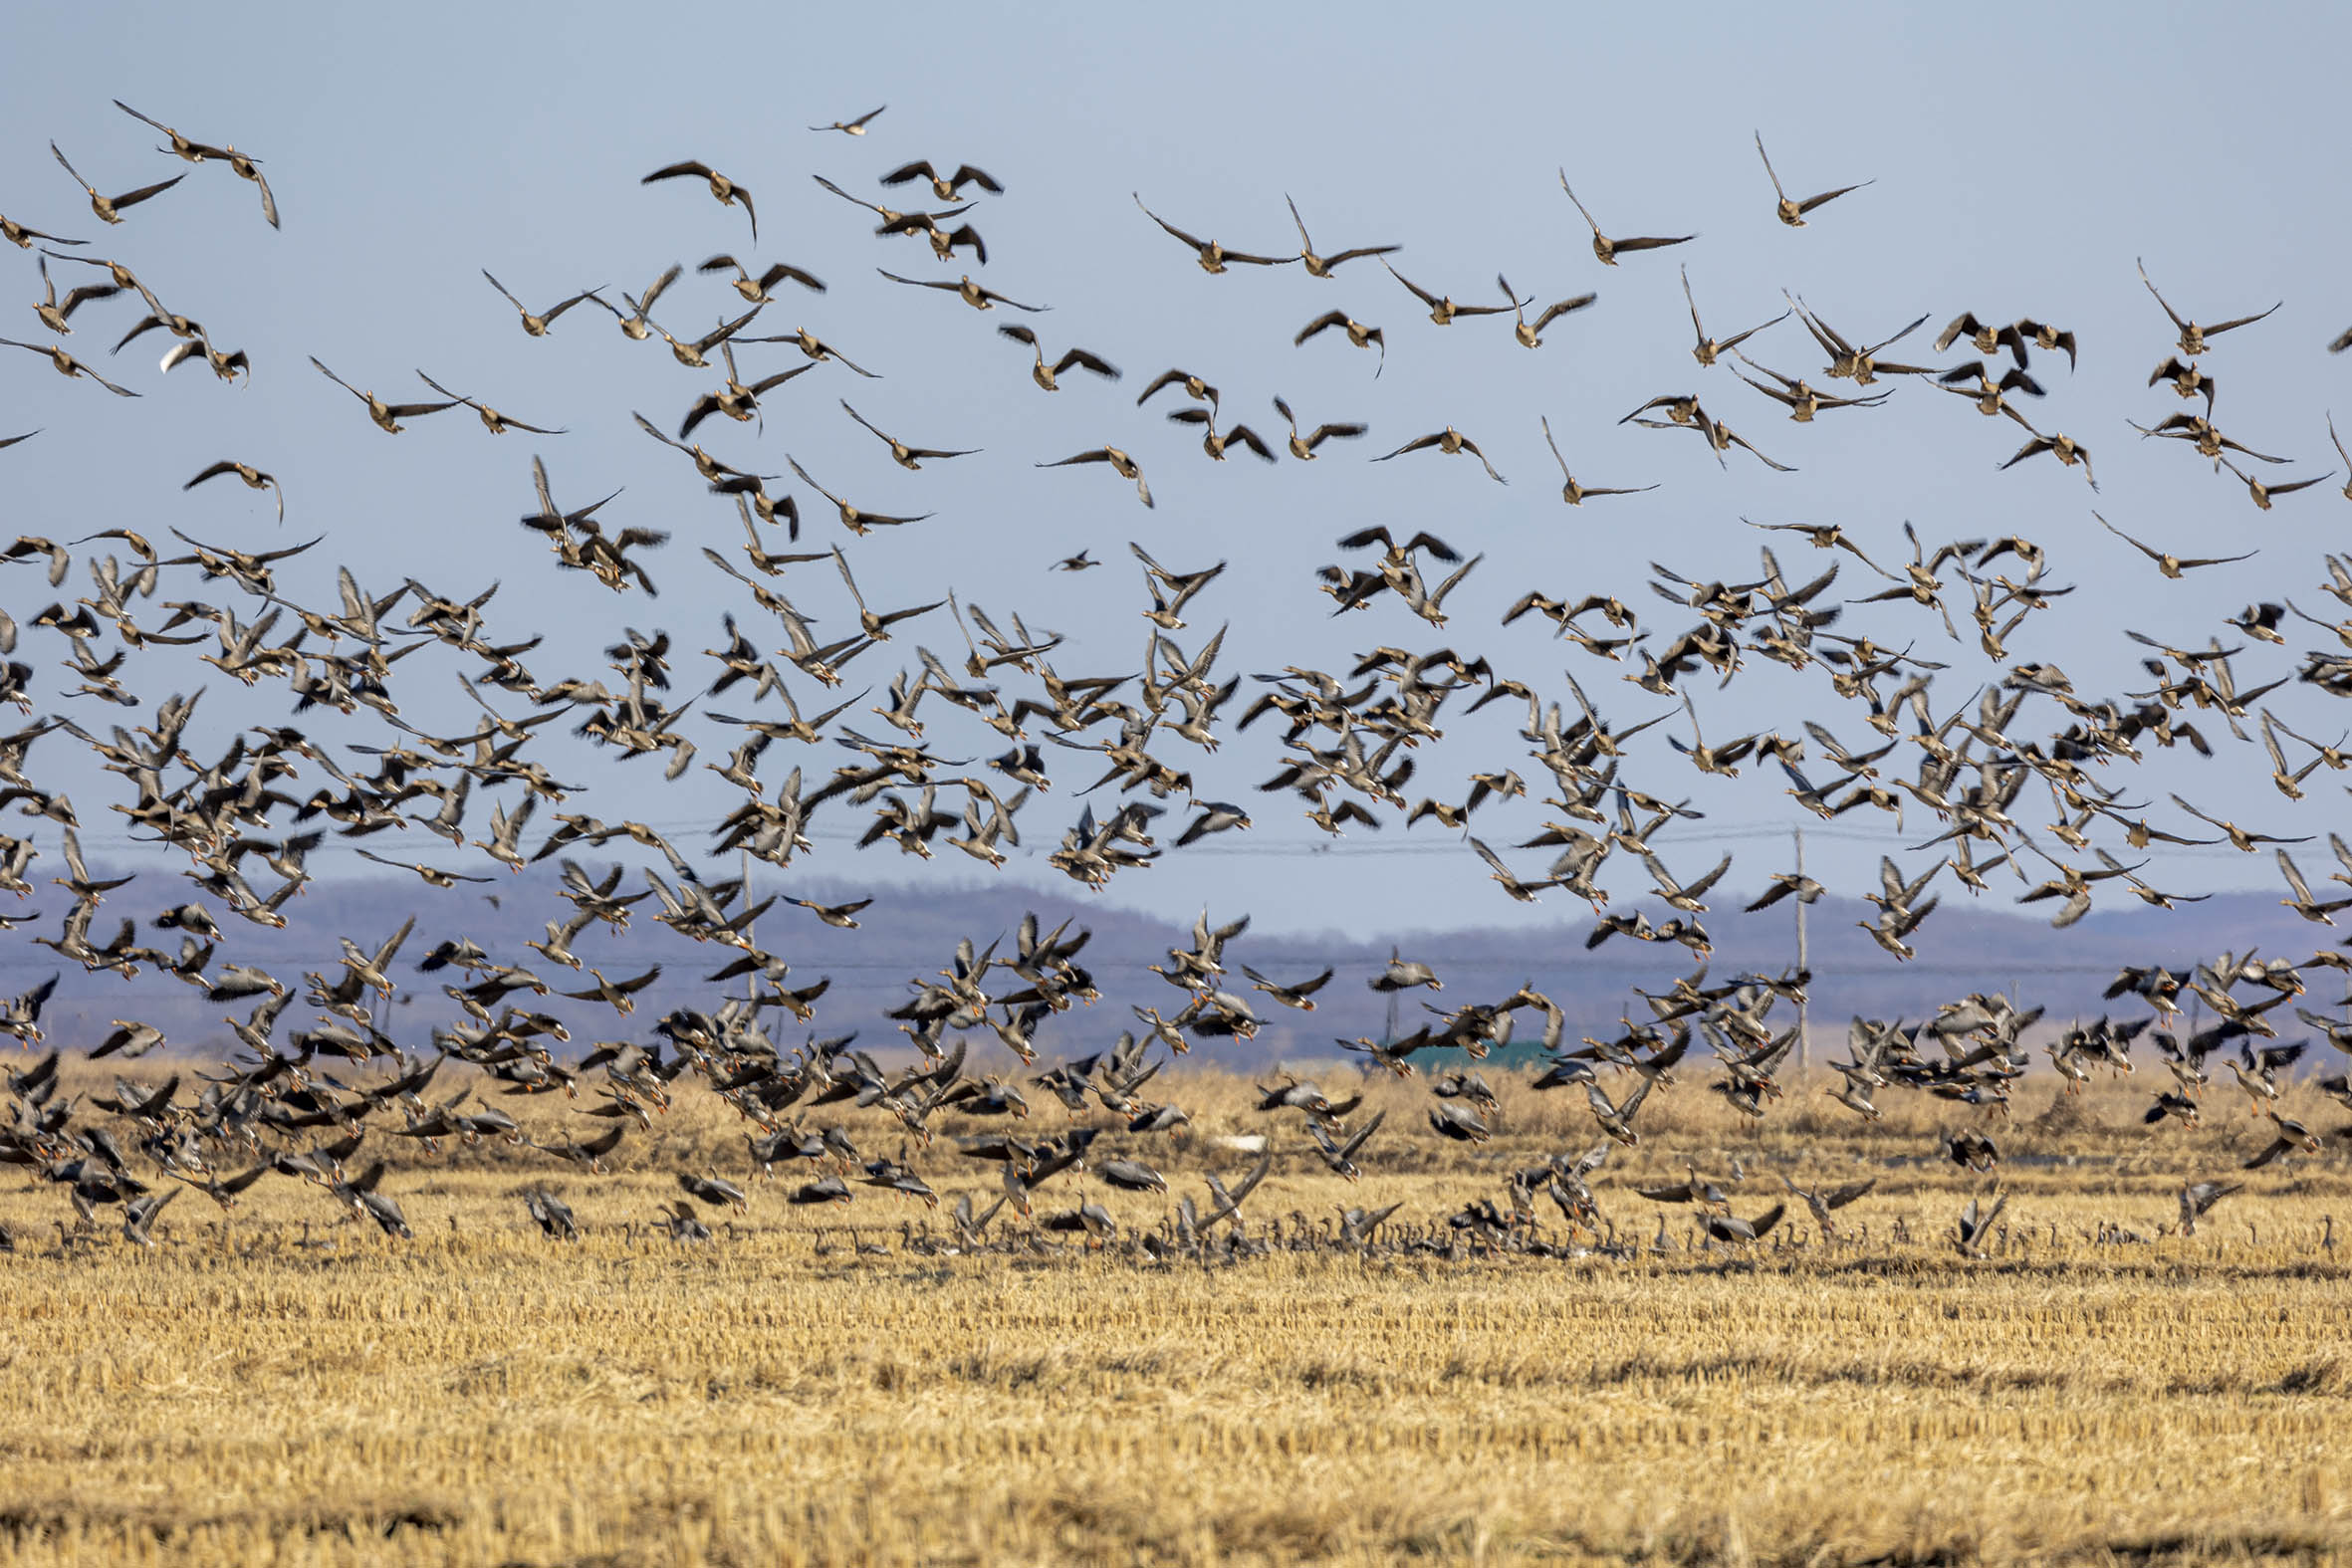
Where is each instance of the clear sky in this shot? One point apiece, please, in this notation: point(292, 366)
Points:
point(2022, 159)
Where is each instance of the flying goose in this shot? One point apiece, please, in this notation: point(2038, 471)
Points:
point(537, 326)
point(1604, 247)
point(1531, 337)
point(1046, 374)
point(1571, 492)
point(1707, 349)
point(1326, 266)
point(851, 128)
point(972, 294)
point(1125, 466)
point(855, 520)
point(492, 420)
point(946, 188)
point(67, 366)
point(54, 314)
point(1792, 213)
point(1302, 447)
point(1452, 443)
point(110, 208)
point(2169, 565)
point(254, 479)
point(905, 456)
point(2262, 493)
point(1442, 309)
point(1357, 334)
point(724, 189)
point(2193, 339)
point(243, 165)
point(1213, 442)
point(387, 417)
point(1211, 255)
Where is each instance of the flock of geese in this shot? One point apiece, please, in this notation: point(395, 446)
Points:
point(319, 1086)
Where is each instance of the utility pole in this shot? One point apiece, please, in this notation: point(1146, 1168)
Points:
point(1805, 1032)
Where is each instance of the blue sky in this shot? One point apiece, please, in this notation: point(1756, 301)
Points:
point(2022, 159)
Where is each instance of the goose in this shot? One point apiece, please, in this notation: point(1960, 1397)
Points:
point(1327, 266)
point(138, 1217)
point(1215, 443)
point(387, 417)
point(67, 366)
point(2064, 448)
point(816, 349)
point(2172, 566)
point(1573, 493)
point(853, 127)
point(692, 352)
point(1968, 1237)
point(905, 456)
point(1357, 334)
point(54, 315)
point(110, 208)
point(737, 401)
point(2193, 339)
point(1450, 442)
point(1604, 247)
point(972, 294)
point(492, 420)
point(243, 165)
point(22, 237)
point(636, 324)
point(552, 1215)
point(725, 190)
point(946, 188)
point(1707, 349)
point(1046, 374)
point(1792, 213)
point(253, 477)
point(537, 326)
point(1442, 309)
point(853, 519)
point(1531, 337)
point(1302, 447)
point(1212, 255)
point(2262, 493)
point(1121, 464)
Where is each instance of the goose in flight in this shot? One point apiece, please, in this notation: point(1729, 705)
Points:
point(853, 127)
point(1606, 248)
point(243, 165)
point(724, 189)
point(1451, 442)
point(110, 208)
point(253, 477)
point(1792, 213)
point(1573, 493)
point(1047, 376)
point(1326, 266)
point(1212, 255)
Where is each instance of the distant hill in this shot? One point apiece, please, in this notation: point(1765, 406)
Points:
point(909, 932)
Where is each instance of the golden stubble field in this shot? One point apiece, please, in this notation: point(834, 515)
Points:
point(795, 1390)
